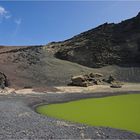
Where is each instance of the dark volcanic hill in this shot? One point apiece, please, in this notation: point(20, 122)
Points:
point(115, 48)
point(105, 45)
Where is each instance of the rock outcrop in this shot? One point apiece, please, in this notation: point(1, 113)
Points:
point(116, 85)
point(107, 44)
point(94, 79)
point(3, 80)
point(80, 80)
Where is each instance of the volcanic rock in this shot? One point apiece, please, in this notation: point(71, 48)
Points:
point(87, 80)
point(3, 80)
point(107, 44)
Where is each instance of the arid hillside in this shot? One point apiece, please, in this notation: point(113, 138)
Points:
point(36, 66)
point(108, 44)
point(107, 49)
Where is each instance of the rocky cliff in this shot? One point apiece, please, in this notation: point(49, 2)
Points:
point(107, 44)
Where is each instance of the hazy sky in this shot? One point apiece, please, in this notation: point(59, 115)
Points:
point(26, 23)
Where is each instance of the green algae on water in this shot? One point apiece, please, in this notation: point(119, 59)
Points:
point(122, 112)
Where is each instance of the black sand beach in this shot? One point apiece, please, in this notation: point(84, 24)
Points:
point(19, 120)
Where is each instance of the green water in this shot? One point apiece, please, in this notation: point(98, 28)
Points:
point(121, 112)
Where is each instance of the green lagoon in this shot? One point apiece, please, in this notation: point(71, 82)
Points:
point(122, 112)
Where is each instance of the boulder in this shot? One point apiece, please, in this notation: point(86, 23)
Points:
point(77, 79)
point(111, 79)
point(96, 75)
point(80, 80)
point(96, 78)
point(116, 84)
point(84, 84)
point(97, 81)
point(86, 80)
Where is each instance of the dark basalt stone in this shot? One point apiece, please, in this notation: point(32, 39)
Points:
point(3, 81)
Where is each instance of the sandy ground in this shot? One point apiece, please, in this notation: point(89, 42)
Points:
point(73, 89)
point(98, 88)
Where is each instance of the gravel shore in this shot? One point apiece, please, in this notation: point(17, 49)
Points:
point(18, 119)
